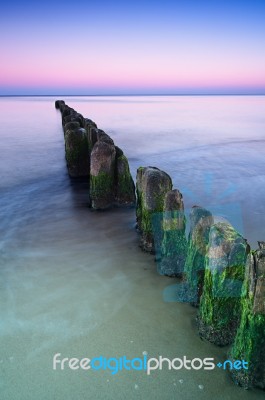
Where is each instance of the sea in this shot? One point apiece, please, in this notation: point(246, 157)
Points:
point(74, 282)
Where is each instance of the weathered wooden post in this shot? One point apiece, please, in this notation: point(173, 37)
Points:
point(152, 184)
point(201, 221)
point(249, 344)
point(220, 305)
point(173, 250)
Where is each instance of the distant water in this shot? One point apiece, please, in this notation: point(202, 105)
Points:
point(75, 282)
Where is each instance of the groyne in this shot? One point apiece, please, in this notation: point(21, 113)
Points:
point(91, 153)
point(219, 269)
point(224, 277)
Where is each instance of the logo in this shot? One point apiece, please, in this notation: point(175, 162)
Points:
point(115, 365)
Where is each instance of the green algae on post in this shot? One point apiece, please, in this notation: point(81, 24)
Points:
point(102, 173)
point(174, 243)
point(249, 344)
point(220, 305)
point(125, 188)
point(152, 184)
point(201, 221)
point(76, 152)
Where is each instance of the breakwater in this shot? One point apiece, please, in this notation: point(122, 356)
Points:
point(223, 276)
point(91, 153)
point(214, 260)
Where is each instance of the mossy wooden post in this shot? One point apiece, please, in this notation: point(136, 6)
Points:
point(76, 152)
point(91, 129)
point(104, 137)
point(67, 111)
point(201, 221)
point(152, 185)
point(71, 126)
point(125, 188)
point(59, 104)
point(74, 117)
point(78, 118)
point(219, 311)
point(174, 243)
point(102, 175)
point(249, 344)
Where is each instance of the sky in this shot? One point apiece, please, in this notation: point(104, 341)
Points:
point(132, 47)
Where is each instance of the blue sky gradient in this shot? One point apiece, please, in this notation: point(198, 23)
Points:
point(135, 47)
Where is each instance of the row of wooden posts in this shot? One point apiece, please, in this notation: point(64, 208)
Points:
point(223, 277)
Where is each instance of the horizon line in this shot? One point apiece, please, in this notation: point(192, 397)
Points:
point(133, 94)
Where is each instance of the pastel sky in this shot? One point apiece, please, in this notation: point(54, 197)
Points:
point(132, 47)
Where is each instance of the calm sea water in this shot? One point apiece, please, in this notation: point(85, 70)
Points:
point(75, 282)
